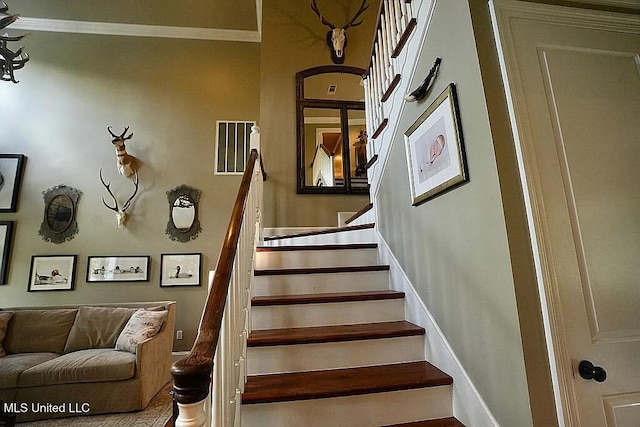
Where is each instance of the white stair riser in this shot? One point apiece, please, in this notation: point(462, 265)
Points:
point(355, 236)
point(295, 284)
point(316, 258)
point(342, 313)
point(353, 411)
point(334, 355)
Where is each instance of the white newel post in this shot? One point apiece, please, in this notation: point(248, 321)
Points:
point(222, 406)
point(254, 138)
point(192, 414)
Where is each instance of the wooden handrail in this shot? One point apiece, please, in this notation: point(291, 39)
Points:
point(191, 375)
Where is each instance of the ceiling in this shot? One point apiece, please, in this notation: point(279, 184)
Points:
point(208, 14)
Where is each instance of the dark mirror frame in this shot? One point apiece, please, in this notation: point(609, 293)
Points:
point(192, 232)
point(47, 233)
point(344, 106)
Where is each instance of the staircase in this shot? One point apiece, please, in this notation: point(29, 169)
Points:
point(329, 344)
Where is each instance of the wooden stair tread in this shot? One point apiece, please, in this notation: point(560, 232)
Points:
point(325, 297)
point(320, 270)
point(317, 247)
point(322, 334)
point(323, 231)
point(342, 382)
point(440, 422)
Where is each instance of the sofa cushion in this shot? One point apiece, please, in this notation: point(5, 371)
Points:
point(39, 331)
point(14, 364)
point(82, 366)
point(97, 327)
point(143, 325)
point(4, 325)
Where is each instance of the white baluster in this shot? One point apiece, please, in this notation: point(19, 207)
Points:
point(379, 73)
point(391, 11)
point(398, 6)
point(367, 105)
point(374, 92)
point(407, 12)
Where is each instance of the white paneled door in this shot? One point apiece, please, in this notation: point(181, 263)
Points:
point(574, 84)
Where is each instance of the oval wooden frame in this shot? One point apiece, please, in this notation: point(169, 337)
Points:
point(50, 235)
point(172, 231)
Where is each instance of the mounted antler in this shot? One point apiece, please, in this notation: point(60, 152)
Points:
point(337, 37)
point(121, 212)
point(9, 60)
point(126, 162)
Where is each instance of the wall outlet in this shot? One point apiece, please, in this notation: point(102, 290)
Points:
point(178, 335)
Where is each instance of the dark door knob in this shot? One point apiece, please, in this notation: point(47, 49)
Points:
point(590, 372)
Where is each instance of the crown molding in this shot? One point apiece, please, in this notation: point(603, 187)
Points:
point(134, 30)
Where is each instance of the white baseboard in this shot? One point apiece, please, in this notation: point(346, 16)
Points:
point(468, 405)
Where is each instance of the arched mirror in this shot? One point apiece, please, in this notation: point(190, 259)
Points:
point(331, 131)
point(60, 204)
point(183, 224)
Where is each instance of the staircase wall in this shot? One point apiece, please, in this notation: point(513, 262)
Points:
point(293, 40)
point(454, 249)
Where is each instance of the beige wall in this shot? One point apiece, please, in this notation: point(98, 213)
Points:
point(293, 40)
point(454, 248)
point(170, 92)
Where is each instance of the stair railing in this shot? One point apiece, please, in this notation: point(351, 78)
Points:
point(220, 345)
point(396, 21)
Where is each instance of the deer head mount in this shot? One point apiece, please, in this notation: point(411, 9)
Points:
point(337, 37)
point(9, 60)
point(126, 162)
point(121, 211)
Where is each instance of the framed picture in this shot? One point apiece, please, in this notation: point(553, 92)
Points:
point(180, 270)
point(11, 166)
point(52, 273)
point(118, 268)
point(435, 149)
point(6, 235)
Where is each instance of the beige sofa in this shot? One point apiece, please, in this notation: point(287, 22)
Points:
point(84, 360)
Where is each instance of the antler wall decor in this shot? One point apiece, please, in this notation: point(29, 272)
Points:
point(121, 211)
point(126, 162)
point(337, 37)
point(10, 60)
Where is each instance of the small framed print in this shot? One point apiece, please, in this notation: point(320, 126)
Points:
point(6, 235)
point(435, 149)
point(118, 268)
point(11, 167)
point(52, 273)
point(180, 270)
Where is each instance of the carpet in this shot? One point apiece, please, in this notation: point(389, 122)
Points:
point(156, 414)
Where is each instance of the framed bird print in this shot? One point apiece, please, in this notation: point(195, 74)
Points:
point(6, 237)
point(180, 269)
point(52, 273)
point(130, 268)
point(435, 149)
point(11, 169)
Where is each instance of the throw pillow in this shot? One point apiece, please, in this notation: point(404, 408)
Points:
point(97, 327)
point(4, 325)
point(143, 325)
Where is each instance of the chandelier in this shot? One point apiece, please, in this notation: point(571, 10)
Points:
point(9, 60)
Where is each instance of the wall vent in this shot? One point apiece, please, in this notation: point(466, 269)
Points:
point(232, 146)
